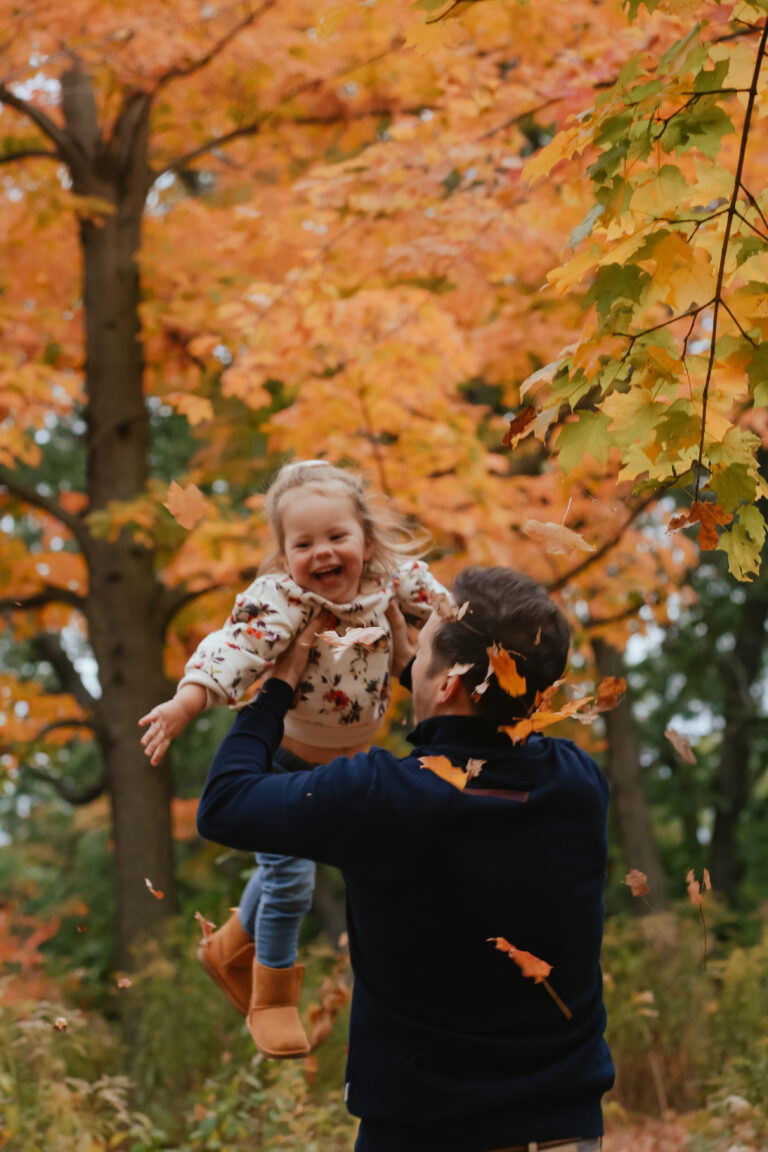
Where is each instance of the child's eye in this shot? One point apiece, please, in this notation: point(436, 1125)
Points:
point(338, 535)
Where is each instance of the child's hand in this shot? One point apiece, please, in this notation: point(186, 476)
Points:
point(167, 721)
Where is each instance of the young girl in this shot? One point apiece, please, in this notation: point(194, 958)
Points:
point(339, 555)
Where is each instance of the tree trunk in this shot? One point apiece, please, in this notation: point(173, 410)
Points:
point(741, 669)
point(125, 602)
point(627, 791)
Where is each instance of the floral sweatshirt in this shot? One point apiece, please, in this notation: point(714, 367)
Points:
point(345, 691)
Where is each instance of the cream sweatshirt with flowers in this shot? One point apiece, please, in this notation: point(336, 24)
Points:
point(344, 694)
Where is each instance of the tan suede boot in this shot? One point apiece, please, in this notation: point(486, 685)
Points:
point(227, 956)
point(273, 1020)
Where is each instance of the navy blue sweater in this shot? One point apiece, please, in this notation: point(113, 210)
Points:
point(451, 1047)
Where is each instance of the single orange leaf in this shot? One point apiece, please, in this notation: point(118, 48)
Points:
point(505, 670)
point(155, 892)
point(187, 505)
point(694, 888)
point(443, 768)
point(637, 882)
point(681, 745)
point(530, 965)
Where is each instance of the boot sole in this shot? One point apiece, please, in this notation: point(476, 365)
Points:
point(214, 975)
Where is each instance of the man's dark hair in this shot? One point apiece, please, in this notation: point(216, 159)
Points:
point(512, 610)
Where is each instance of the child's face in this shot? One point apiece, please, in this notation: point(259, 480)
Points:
point(324, 546)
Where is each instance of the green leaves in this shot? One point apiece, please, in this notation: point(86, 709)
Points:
point(586, 436)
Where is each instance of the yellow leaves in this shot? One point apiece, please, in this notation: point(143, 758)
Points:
point(197, 409)
point(505, 669)
point(556, 538)
point(187, 505)
point(428, 36)
point(564, 146)
point(442, 767)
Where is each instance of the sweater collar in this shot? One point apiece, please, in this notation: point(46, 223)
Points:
point(462, 731)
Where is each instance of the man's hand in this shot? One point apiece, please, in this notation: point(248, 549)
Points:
point(168, 720)
point(291, 664)
point(403, 648)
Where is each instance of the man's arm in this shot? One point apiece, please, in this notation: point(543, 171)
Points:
point(311, 814)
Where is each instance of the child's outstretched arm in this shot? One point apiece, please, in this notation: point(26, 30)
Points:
point(167, 721)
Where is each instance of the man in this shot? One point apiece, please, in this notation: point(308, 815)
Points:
point(452, 1048)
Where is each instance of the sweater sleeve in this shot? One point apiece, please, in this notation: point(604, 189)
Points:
point(261, 625)
point(416, 589)
point(314, 815)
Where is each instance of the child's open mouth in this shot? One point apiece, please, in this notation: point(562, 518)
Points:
point(327, 574)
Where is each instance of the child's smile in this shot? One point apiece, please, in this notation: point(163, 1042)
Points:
point(323, 543)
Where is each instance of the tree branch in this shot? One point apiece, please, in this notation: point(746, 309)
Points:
point(66, 788)
point(28, 154)
point(48, 127)
point(255, 126)
point(49, 594)
point(196, 65)
point(48, 647)
point(732, 207)
point(29, 495)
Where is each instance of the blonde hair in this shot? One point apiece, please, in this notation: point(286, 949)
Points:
point(387, 532)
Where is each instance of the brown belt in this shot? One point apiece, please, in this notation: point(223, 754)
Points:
point(563, 1145)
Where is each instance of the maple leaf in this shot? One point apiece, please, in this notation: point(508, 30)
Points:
point(708, 515)
point(532, 967)
point(474, 767)
point(155, 891)
point(447, 771)
point(693, 887)
point(60, 1024)
point(124, 982)
point(637, 882)
point(518, 425)
point(365, 638)
point(503, 666)
point(556, 538)
point(187, 505)
point(681, 745)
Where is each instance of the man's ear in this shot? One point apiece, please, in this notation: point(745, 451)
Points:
point(451, 690)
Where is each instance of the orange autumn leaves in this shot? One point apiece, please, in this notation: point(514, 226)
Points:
point(532, 967)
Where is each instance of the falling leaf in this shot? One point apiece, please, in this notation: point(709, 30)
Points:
point(694, 888)
point(637, 882)
point(681, 745)
point(443, 604)
point(462, 610)
point(60, 1024)
point(206, 926)
point(556, 538)
point(124, 982)
point(443, 768)
point(365, 638)
point(474, 767)
point(706, 880)
point(155, 892)
point(459, 669)
point(505, 670)
point(532, 967)
point(187, 505)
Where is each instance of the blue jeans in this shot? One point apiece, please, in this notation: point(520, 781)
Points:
point(279, 893)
